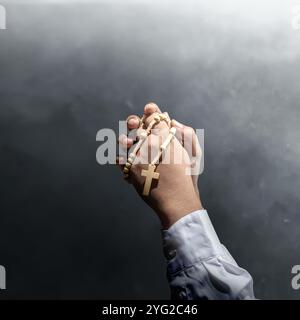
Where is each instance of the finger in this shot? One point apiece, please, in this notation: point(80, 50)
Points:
point(133, 125)
point(133, 122)
point(188, 138)
point(150, 111)
point(150, 108)
point(125, 142)
point(179, 130)
point(160, 125)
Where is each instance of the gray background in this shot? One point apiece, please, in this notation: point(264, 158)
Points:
point(70, 228)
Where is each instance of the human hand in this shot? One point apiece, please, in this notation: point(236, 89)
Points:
point(176, 193)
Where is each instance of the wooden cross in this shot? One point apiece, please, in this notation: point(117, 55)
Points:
point(149, 174)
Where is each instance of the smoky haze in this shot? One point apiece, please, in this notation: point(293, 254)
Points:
point(73, 229)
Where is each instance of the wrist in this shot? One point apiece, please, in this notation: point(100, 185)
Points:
point(178, 209)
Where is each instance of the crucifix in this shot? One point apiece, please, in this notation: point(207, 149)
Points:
point(150, 174)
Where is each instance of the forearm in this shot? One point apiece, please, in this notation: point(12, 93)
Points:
point(198, 265)
point(172, 210)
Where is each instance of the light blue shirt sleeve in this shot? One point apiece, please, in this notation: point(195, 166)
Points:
point(199, 266)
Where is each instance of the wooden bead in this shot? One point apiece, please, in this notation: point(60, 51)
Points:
point(162, 147)
point(151, 125)
point(125, 170)
point(157, 118)
point(173, 131)
point(128, 165)
point(167, 115)
point(130, 160)
point(143, 135)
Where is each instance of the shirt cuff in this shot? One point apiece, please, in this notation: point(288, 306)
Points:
point(191, 239)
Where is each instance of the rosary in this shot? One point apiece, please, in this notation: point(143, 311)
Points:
point(150, 174)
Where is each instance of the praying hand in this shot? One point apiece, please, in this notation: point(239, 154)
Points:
point(198, 265)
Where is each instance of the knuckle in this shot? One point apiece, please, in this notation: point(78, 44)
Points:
point(122, 138)
point(132, 116)
point(188, 130)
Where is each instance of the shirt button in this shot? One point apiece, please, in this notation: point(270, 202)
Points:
point(171, 254)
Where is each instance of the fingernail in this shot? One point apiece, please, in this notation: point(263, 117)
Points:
point(133, 122)
point(150, 108)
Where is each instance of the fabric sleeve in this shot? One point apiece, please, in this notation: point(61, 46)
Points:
point(199, 266)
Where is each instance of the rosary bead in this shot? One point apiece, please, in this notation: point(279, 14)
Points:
point(125, 170)
point(128, 165)
point(157, 118)
point(173, 131)
point(143, 135)
point(162, 147)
